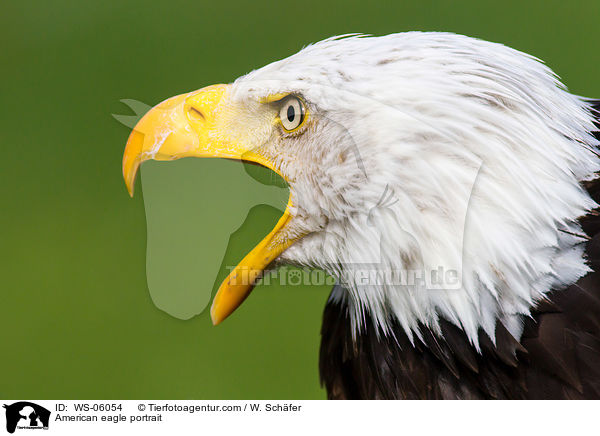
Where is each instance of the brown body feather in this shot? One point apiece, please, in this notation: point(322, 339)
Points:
point(557, 357)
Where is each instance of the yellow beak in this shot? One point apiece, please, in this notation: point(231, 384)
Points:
point(185, 126)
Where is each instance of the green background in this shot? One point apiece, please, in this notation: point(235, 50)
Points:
point(76, 317)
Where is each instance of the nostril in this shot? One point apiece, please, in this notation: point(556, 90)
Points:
point(195, 114)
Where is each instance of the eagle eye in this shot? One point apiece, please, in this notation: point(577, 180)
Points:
point(292, 113)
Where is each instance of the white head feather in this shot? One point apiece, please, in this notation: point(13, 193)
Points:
point(429, 152)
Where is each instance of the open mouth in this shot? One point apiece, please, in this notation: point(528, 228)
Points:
point(187, 126)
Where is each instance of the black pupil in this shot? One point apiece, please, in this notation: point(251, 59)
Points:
point(291, 113)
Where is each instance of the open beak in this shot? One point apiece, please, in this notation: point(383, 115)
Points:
point(186, 126)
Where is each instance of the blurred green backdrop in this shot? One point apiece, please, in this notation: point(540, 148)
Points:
point(76, 317)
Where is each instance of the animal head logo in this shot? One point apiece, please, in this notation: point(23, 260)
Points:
point(24, 414)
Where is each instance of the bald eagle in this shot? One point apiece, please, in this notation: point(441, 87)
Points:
point(447, 183)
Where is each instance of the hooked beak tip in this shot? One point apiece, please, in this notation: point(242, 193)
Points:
point(129, 175)
point(132, 159)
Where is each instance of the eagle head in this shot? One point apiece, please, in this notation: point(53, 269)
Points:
point(434, 175)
